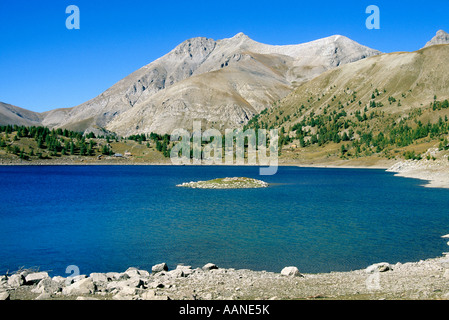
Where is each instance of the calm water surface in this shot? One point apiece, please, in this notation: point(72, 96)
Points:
point(108, 218)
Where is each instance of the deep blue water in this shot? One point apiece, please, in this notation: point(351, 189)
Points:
point(109, 218)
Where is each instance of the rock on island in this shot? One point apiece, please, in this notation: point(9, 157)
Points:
point(226, 183)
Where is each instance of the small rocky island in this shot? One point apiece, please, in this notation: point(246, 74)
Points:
point(226, 183)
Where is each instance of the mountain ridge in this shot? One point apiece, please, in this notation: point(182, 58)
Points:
point(200, 56)
point(223, 82)
point(367, 111)
point(254, 75)
point(10, 114)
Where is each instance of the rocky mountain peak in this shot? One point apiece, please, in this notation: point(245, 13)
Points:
point(195, 46)
point(240, 39)
point(441, 37)
point(240, 35)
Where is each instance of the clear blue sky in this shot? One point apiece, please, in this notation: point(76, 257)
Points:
point(44, 66)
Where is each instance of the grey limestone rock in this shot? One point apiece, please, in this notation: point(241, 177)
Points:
point(441, 37)
point(291, 272)
point(159, 267)
point(35, 277)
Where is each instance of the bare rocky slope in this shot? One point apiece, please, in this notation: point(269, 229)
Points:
point(414, 78)
point(10, 114)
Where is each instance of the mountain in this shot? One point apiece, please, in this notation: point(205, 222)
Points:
point(10, 114)
point(336, 99)
point(440, 38)
point(223, 83)
point(381, 106)
point(418, 75)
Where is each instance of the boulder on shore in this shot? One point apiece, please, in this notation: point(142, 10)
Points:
point(35, 277)
point(291, 272)
point(83, 286)
point(159, 267)
point(379, 267)
point(16, 280)
point(209, 266)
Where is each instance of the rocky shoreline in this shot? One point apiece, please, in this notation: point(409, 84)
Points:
point(434, 172)
point(423, 280)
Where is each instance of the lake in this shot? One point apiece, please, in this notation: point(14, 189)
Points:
point(109, 218)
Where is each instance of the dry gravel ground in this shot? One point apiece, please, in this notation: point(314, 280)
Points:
point(423, 280)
